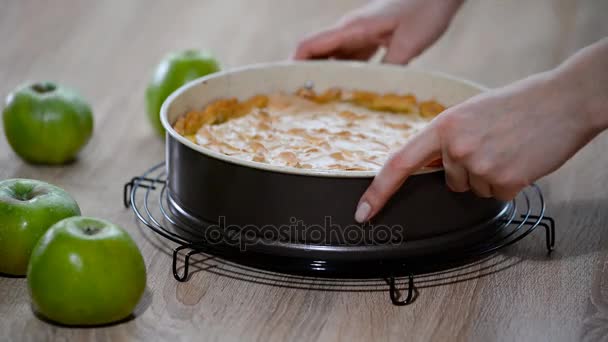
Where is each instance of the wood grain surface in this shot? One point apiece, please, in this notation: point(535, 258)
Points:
point(107, 50)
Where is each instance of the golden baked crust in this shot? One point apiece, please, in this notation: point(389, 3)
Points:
point(217, 112)
point(333, 129)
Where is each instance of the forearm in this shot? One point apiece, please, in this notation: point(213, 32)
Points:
point(583, 79)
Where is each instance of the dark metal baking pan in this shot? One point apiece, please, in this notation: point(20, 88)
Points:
point(207, 187)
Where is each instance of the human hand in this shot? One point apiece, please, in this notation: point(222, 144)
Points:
point(500, 141)
point(405, 27)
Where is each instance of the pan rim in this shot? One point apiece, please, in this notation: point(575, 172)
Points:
point(285, 169)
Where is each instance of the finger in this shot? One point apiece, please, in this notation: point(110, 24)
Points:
point(362, 50)
point(505, 193)
point(354, 36)
point(435, 163)
point(479, 186)
point(319, 44)
point(456, 176)
point(401, 50)
point(419, 151)
point(362, 54)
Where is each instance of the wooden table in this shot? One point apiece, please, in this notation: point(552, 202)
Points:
point(107, 50)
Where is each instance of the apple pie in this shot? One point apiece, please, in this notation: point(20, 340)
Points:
point(331, 130)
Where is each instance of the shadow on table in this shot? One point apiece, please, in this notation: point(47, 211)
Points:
point(142, 306)
point(6, 275)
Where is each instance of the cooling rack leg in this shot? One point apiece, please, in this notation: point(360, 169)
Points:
point(126, 193)
point(394, 292)
point(549, 224)
point(130, 186)
point(184, 276)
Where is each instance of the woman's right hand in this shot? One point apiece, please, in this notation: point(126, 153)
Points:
point(500, 141)
point(405, 27)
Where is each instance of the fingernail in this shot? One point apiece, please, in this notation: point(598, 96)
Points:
point(362, 212)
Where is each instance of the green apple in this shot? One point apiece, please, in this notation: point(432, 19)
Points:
point(27, 209)
point(171, 73)
point(46, 123)
point(86, 271)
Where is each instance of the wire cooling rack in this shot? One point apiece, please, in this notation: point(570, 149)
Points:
point(146, 195)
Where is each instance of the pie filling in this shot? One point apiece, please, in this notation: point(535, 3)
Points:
point(333, 130)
